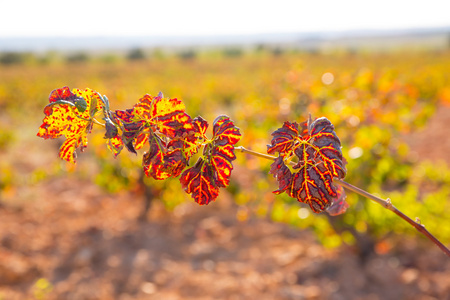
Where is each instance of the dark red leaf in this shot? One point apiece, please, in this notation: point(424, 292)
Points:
point(318, 151)
point(339, 205)
point(197, 182)
point(153, 160)
point(165, 115)
point(200, 126)
point(111, 130)
point(216, 162)
point(282, 173)
point(225, 132)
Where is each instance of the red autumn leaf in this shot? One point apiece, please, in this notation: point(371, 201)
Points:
point(221, 160)
point(153, 159)
point(339, 205)
point(163, 114)
point(284, 138)
point(318, 150)
point(313, 185)
point(115, 145)
point(225, 136)
point(164, 160)
point(174, 162)
point(131, 133)
point(150, 116)
point(213, 170)
point(282, 173)
point(63, 93)
point(225, 132)
point(64, 96)
point(65, 116)
point(193, 139)
point(200, 126)
point(198, 182)
point(172, 135)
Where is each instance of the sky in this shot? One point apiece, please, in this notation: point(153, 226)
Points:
point(50, 18)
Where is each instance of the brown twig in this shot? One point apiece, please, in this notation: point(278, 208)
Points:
point(385, 203)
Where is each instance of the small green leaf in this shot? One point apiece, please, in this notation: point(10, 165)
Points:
point(81, 104)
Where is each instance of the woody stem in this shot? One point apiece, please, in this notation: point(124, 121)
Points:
point(385, 203)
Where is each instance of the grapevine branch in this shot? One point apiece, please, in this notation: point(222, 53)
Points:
point(385, 203)
point(172, 138)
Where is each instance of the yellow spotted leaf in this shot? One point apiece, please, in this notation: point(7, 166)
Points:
point(70, 113)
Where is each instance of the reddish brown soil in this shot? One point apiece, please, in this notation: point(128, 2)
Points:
point(90, 245)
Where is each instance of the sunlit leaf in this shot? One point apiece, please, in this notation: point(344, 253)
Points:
point(225, 132)
point(317, 150)
point(150, 116)
point(131, 130)
point(64, 117)
point(115, 145)
point(153, 160)
point(221, 159)
point(163, 160)
point(193, 140)
point(213, 170)
point(225, 136)
point(284, 138)
point(197, 182)
point(166, 115)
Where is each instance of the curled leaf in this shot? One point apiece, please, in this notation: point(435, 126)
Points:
point(111, 130)
point(339, 205)
point(282, 173)
point(132, 135)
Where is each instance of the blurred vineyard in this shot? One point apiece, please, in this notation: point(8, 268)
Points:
point(377, 102)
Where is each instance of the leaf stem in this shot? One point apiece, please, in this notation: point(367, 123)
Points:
point(385, 203)
point(254, 153)
point(97, 122)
